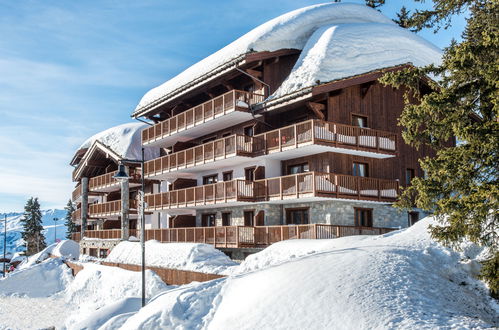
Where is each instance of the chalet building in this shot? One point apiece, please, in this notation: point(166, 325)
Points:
point(284, 133)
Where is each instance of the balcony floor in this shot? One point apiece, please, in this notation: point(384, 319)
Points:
point(211, 125)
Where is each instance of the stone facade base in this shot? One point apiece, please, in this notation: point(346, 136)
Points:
point(99, 248)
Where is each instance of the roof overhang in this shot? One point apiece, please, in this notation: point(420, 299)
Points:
point(92, 153)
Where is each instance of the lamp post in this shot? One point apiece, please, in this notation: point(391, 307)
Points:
point(4, 244)
point(55, 229)
point(122, 175)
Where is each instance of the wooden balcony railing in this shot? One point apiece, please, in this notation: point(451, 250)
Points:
point(310, 184)
point(241, 236)
point(76, 215)
point(106, 180)
point(234, 145)
point(329, 185)
point(108, 208)
point(217, 193)
point(328, 133)
point(76, 193)
point(234, 100)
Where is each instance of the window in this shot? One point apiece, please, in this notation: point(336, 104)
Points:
point(359, 121)
point(249, 131)
point(299, 168)
point(409, 175)
point(227, 176)
point(249, 173)
point(297, 216)
point(209, 179)
point(208, 220)
point(226, 219)
point(413, 217)
point(248, 218)
point(363, 217)
point(360, 169)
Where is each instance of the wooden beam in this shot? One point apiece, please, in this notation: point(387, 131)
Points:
point(254, 73)
point(266, 55)
point(317, 109)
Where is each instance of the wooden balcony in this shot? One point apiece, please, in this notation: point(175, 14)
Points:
point(310, 185)
point(240, 236)
point(108, 209)
point(315, 136)
point(233, 106)
point(224, 151)
point(211, 194)
point(75, 196)
point(106, 182)
point(76, 215)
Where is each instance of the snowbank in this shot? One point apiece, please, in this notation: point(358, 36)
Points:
point(125, 140)
point(96, 286)
point(196, 257)
point(401, 280)
point(40, 280)
point(37, 258)
point(338, 40)
point(68, 249)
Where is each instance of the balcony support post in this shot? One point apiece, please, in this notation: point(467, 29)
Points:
point(84, 205)
point(125, 202)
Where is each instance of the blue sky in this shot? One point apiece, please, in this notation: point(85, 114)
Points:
point(69, 69)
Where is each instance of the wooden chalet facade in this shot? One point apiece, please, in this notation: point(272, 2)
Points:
point(238, 168)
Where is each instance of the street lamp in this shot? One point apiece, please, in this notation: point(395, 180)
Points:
point(122, 175)
point(4, 244)
point(55, 229)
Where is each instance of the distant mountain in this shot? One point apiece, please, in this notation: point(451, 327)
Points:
point(15, 242)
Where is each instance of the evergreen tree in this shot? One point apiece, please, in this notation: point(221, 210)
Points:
point(32, 227)
point(375, 3)
point(70, 225)
point(403, 18)
point(461, 185)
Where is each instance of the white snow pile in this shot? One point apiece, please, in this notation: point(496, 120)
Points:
point(40, 280)
point(401, 280)
point(97, 286)
point(202, 258)
point(344, 50)
point(341, 47)
point(67, 249)
point(125, 140)
point(37, 258)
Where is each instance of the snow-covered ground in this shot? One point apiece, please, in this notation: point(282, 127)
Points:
point(401, 280)
point(195, 257)
point(15, 242)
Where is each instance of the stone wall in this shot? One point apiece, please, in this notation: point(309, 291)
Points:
point(98, 245)
point(336, 212)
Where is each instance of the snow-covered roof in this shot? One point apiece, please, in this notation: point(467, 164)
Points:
point(289, 31)
point(344, 50)
point(124, 140)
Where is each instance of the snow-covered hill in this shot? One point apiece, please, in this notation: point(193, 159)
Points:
point(15, 242)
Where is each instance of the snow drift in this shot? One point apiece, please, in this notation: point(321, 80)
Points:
point(399, 280)
point(343, 39)
point(67, 249)
point(196, 257)
point(40, 280)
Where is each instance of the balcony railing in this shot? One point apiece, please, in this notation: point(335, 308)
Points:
point(331, 134)
point(107, 209)
point(76, 193)
point(241, 236)
point(106, 181)
point(217, 193)
point(234, 100)
point(76, 215)
point(310, 184)
point(235, 145)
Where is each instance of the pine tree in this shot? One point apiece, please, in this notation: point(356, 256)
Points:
point(375, 3)
point(70, 225)
point(403, 18)
point(32, 227)
point(461, 186)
